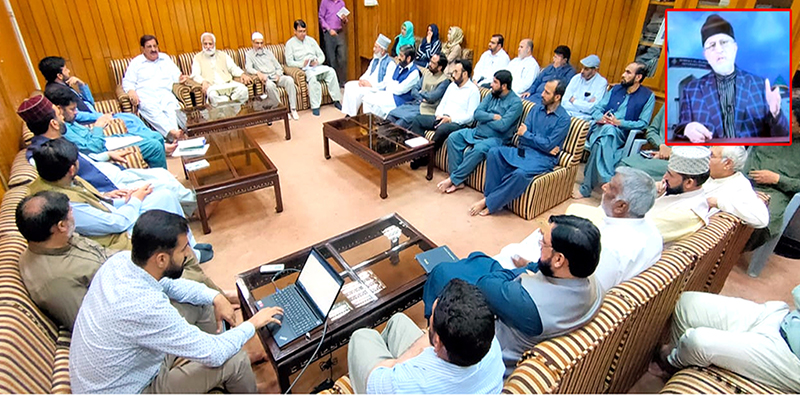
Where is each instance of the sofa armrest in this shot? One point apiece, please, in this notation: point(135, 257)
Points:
point(299, 77)
point(187, 93)
point(124, 100)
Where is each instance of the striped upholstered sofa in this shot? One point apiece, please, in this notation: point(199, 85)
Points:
point(34, 353)
point(546, 190)
point(184, 92)
point(612, 351)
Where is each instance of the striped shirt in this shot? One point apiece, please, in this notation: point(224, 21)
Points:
point(726, 85)
point(127, 325)
point(429, 374)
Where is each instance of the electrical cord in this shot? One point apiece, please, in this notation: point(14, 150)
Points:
point(274, 276)
point(324, 331)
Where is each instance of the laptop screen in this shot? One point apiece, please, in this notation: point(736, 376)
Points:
point(320, 282)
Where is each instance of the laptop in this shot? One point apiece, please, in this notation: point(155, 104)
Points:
point(307, 302)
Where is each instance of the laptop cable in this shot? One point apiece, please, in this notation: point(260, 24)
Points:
point(274, 276)
point(324, 331)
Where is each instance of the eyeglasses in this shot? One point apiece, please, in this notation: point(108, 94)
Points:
point(724, 44)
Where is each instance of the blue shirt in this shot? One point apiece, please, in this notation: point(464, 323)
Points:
point(509, 107)
point(89, 141)
point(126, 326)
point(563, 73)
point(428, 374)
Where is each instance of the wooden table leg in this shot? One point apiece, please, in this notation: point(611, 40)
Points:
point(326, 150)
point(201, 210)
point(431, 157)
point(384, 172)
point(283, 379)
point(286, 126)
point(278, 198)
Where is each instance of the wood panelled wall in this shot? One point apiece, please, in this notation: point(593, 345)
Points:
point(89, 33)
point(587, 27)
point(15, 85)
point(385, 18)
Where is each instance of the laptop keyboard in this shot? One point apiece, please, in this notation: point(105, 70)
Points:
point(295, 312)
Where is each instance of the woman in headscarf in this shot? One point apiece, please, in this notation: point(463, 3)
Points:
point(406, 37)
point(452, 48)
point(429, 46)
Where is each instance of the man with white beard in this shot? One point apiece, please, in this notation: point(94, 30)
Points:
point(373, 80)
point(216, 71)
point(730, 191)
point(728, 102)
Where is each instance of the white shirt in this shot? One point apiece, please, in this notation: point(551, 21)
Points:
point(372, 77)
point(678, 216)
point(629, 247)
point(151, 78)
point(459, 103)
point(523, 71)
point(233, 69)
point(490, 64)
point(577, 88)
point(401, 87)
point(127, 325)
point(735, 195)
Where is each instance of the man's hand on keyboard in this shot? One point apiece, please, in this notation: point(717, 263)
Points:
point(265, 316)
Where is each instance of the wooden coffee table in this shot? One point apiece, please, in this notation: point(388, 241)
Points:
point(237, 166)
point(355, 253)
point(377, 141)
point(208, 119)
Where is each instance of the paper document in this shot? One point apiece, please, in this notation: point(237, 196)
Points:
point(115, 143)
point(193, 166)
point(417, 141)
point(370, 3)
point(196, 142)
point(343, 12)
point(194, 151)
point(529, 249)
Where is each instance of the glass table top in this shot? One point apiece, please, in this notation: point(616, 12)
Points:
point(210, 113)
point(231, 155)
point(375, 133)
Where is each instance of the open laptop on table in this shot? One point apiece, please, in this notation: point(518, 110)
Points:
point(307, 302)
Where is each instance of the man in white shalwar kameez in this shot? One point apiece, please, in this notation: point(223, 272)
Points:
point(373, 80)
point(398, 88)
point(730, 191)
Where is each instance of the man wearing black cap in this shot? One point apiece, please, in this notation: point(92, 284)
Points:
point(728, 102)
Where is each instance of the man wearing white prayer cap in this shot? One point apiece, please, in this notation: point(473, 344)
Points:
point(379, 72)
point(216, 71)
point(262, 63)
point(682, 208)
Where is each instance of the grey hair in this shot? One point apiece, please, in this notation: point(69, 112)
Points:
point(213, 37)
point(737, 154)
point(638, 190)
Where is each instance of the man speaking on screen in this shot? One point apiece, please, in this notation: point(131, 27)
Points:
point(728, 102)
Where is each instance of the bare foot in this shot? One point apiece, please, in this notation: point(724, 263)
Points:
point(442, 186)
point(477, 208)
point(452, 188)
point(660, 367)
point(577, 195)
point(484, 212)
point(170, 148)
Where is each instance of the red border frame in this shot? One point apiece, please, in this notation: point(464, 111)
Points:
point(666, 73)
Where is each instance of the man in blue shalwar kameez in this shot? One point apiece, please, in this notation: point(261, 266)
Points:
point(497, 115)
point(628, 106)
point(509, 170)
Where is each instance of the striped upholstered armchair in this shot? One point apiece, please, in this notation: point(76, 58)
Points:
point(546, 190)
point(183, 92)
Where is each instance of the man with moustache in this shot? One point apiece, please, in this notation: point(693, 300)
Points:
point(628, 106)
point(585, 89)
point(374, 79)
point(398, 88)
point(216, 71)
point(128, 335)
point(148, 82)
point(728, 102)
point(304, 52)
point(560, 69)
point(524, 68)
point(493, 60)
